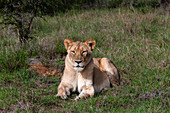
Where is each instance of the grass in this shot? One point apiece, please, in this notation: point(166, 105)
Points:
point(137, 42)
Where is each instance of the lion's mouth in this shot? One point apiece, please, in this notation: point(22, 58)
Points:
point(78, 66)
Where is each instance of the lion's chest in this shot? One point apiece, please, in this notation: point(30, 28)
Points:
point(80, 82)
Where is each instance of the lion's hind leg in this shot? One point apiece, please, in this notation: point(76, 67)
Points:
point(107, 66)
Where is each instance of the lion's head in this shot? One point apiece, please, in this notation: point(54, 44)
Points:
point(79, 53)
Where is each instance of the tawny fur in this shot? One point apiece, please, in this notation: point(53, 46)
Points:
point(85, 74)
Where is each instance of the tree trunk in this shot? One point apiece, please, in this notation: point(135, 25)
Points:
point(21, 37)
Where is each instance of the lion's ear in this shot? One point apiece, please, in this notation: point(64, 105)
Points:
point(67, 43)
point(91, 43)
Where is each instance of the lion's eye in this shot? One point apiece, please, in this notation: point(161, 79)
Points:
point(73, 51)
point(84, 52)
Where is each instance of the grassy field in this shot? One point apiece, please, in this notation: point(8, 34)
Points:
point(137, 42)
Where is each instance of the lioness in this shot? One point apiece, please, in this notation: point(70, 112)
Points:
point(85, 74)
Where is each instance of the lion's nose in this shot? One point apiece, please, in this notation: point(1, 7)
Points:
point(78, 61)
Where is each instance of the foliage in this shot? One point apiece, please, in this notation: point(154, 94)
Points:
point(21, 13)
point(137, 43)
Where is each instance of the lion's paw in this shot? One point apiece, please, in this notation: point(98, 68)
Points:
point(77, 98)
point(61, 96)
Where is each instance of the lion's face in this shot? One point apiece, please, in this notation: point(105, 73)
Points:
point(79, 53)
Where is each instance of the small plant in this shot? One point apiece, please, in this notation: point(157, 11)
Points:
point(13, 59)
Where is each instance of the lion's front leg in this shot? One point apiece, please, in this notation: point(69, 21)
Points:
point(87, 91)
point(64, 90)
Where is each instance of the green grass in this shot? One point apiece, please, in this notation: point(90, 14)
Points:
point(137, 42)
